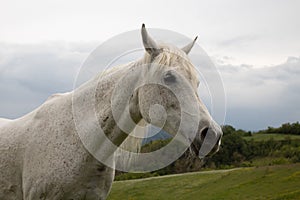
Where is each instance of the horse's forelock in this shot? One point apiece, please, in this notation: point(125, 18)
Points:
point(171, 55)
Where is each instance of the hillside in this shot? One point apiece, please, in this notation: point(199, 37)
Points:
point(269, 182)
point(274, 136)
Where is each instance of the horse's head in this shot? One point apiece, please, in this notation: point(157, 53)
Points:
point(170, 92)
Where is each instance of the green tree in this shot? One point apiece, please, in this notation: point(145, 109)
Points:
point(228, 129)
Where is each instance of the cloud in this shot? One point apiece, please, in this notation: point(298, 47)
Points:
point(238, 41)
point(260, 97)
point(256, 97)
point(31, 73)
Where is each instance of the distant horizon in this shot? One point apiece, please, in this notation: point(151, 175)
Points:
point(29, 74)
point(253, 44)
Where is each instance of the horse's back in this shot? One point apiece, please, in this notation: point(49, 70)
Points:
point(10, 173)
point(42, 156)
point(17, 140)
point(4, 121)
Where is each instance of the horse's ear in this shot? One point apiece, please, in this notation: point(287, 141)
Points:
point(189, 47)
point(149, 44)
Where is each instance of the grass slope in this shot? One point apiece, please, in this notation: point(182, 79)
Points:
point(264, 137)
point(271, 182)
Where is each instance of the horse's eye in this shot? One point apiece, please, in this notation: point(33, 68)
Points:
point(169, 78)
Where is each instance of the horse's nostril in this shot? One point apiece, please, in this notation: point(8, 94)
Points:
point(203, 133)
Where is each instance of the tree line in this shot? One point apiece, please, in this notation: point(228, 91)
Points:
point(287, 128)
point(235, 151)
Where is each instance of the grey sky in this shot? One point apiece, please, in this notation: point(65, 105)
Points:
point(255, 44)
point(249, 31)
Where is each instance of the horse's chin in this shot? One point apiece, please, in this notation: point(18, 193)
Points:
point(196, 146)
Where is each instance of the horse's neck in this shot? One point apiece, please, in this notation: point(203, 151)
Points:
point(95, 98)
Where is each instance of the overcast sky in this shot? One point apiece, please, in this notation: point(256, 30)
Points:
point(254, 44)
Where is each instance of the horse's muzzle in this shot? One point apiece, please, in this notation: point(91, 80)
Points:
point(209, 141)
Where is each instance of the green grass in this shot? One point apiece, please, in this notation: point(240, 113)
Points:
point(272, 182)
point(263, 137)
point(268, 161)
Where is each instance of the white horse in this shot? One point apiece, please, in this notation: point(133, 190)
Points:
point(42, 155)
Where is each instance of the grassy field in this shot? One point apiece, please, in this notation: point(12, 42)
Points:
point(271, 182)
point(262, 137)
